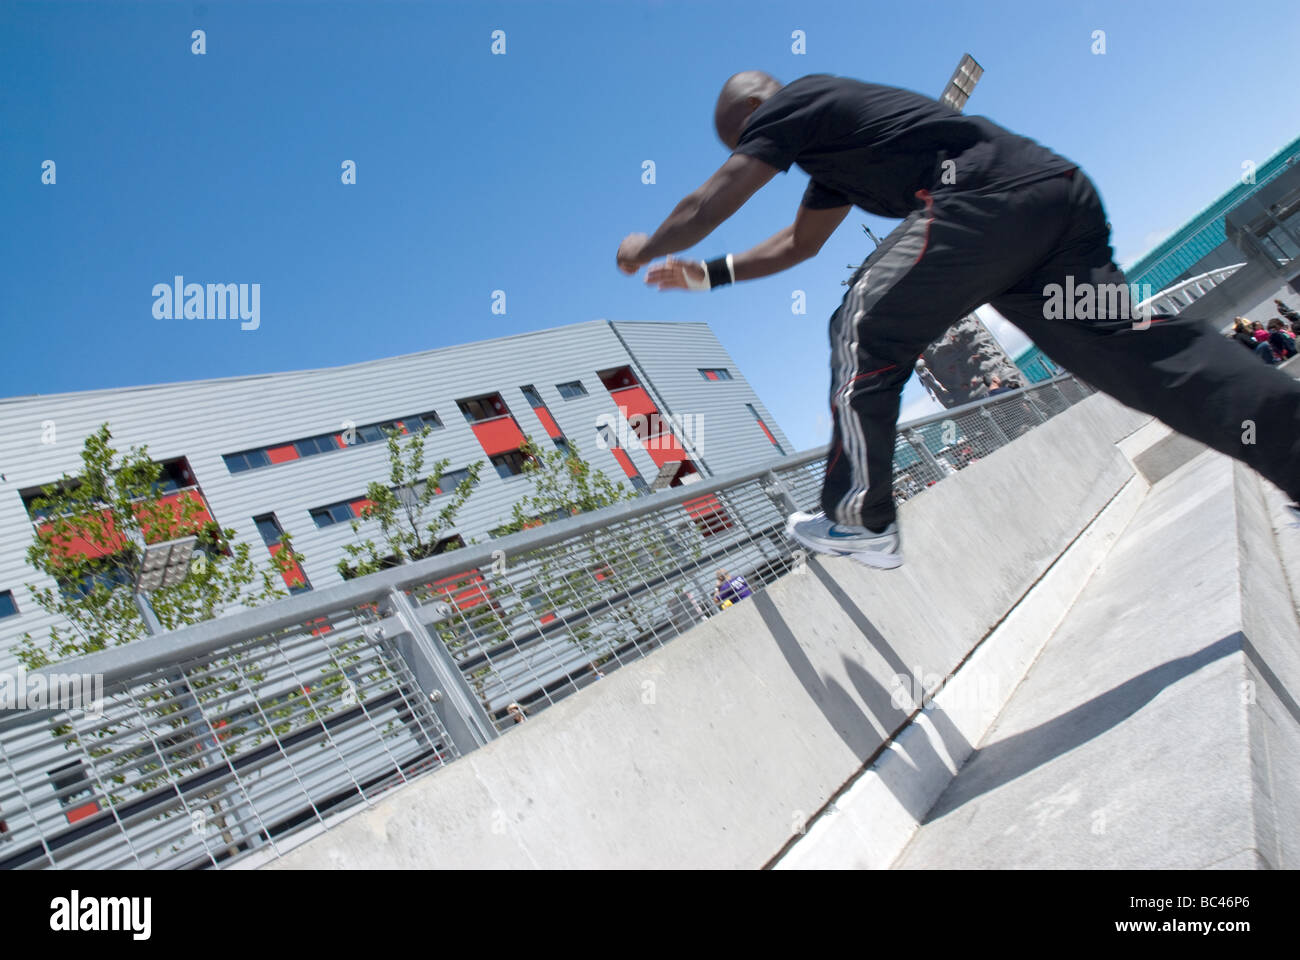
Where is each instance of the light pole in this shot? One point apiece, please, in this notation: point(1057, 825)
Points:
point(970, 345)
point(962, 83)
point(164, 565)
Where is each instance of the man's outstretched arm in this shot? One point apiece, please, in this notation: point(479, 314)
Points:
point(791, 245)
point(699, 214)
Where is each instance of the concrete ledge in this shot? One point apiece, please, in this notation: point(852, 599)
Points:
point(1159, 727)
point(1269, 545)
point(718, 749)
point(871, 821)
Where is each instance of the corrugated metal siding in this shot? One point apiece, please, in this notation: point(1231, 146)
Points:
point(203, 420)
point(672, 355)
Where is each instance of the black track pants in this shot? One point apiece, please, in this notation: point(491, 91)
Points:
point(962, 250)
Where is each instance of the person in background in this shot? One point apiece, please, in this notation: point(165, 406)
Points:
point(730, 589)
point(1279, 338)
point(996, 386)
point(1241, 333)
point(1287, 313)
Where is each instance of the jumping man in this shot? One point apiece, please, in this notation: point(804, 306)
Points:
point(987, 217)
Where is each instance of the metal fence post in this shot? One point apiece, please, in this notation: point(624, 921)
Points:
point(779, 493)
point(917, 442)
point(984, 412)
point(462, 714)
point(1037, 410)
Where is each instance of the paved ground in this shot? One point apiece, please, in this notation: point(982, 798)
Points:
point(1126, 745)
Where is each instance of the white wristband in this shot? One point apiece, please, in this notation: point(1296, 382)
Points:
point(731, 268)
point(693, 284)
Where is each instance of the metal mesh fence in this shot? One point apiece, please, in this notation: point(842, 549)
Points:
point(196, 764)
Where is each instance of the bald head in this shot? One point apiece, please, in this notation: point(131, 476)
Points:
point(741, 95)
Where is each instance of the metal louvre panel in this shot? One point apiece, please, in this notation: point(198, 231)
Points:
point(205, 761)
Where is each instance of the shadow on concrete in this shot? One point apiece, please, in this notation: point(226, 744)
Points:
point(841, 711)
point(1272, 679)
point(1000, 763)
point(893, 718)
point(863, 732)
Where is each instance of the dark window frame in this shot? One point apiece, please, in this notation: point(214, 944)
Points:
point(510, 458)
point(328, 511)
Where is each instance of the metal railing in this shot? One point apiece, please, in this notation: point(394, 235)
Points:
point(231, 736)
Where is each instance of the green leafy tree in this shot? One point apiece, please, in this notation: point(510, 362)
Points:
point(576, 576)
point(90, 538)
point(409, 529)
point(563, 485)
point(116, 505)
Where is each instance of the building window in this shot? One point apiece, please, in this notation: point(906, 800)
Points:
point(324, 443)
point(269, 527)
point(563, 446)
point(8, 608)
point(451, 479)
point(573, 388)
point(639, 484)
point(487, 407)
point(718, 373)
point(417, 423)
point(248, 460)
point(509, 464)
point(72, 787)
point(108, 572)
point(618, 378)
point(332, 514)
point(532, 396)
point(314, 445)
point(763, 426)
point(175, 476)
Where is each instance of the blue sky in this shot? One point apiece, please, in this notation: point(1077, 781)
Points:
point(522, 172)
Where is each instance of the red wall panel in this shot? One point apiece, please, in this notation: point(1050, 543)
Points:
point(498, 436)
point(282, 454)
point(548, 424)
point(634, 400)
point(624, 461)
point(664, 448)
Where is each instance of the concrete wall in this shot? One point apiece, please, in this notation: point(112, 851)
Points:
point(714, 751)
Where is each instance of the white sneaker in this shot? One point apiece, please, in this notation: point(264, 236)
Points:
point(818, 532)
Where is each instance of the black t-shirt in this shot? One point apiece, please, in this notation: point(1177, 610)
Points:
point(875, 146)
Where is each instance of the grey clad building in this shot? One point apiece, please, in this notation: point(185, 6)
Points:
point(644, 402)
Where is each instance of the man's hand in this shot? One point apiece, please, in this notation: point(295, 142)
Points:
point(675, 274)
point(630, 258)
